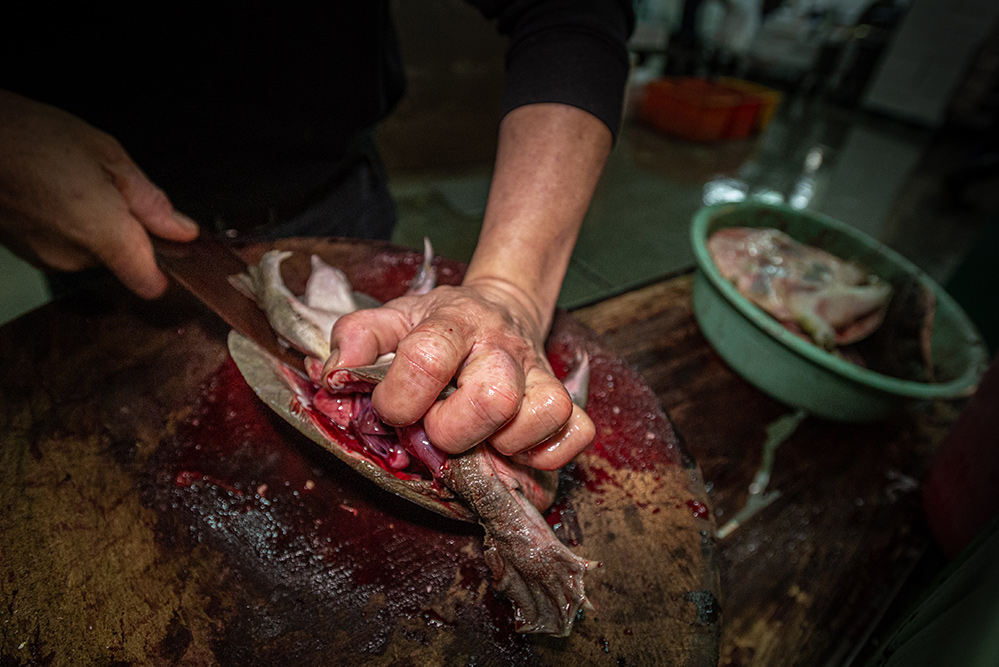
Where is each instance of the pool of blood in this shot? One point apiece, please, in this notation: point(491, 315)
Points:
point(632, 431)
point(321, 543)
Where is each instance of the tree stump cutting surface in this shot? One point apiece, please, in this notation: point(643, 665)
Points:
point(154, 511)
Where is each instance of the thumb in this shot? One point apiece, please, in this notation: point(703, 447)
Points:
point(128, 253)
point(359, 338)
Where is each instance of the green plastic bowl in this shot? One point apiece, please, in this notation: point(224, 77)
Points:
point(799, 373)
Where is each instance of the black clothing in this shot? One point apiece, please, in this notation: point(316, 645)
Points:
point(566, 51)
point(248, 117)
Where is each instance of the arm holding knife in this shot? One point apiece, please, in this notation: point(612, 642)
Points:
point(71, 197)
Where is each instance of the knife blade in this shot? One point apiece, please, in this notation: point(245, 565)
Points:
point(203, 267)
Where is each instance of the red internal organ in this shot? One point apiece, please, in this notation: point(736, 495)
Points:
point(399, 450)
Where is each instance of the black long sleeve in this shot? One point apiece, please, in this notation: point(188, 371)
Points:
point(566, 51)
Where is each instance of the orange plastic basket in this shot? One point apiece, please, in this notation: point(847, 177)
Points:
point(696, 110)
point(769, 98)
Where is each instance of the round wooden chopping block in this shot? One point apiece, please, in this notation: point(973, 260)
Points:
point(156, 511)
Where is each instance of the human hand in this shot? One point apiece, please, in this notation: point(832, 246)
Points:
point(489, 336)
point(71, 197)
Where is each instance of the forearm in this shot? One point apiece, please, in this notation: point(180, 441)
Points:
point(549, 160)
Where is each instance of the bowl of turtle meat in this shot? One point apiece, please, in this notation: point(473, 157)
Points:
point(824, 318)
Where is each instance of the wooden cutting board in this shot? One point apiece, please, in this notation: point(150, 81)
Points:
point(155, 511)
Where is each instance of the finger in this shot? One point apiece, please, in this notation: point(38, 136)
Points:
point(148, 203)
point(545, 409)
point(181, 228)
point(128, 253)
point(358, 338)
point(564, 446)
point(490, 393)
point(117, 240)
point(425, 361)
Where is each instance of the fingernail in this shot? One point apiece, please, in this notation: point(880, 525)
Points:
point(185, 221)
point(331, 362)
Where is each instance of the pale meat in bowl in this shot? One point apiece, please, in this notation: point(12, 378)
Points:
point(924, 348)
point(812, 292)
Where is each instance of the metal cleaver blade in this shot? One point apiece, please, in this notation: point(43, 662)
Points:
point(203, 266)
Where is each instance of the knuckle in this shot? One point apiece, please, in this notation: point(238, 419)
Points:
point(108, 148)
point(473, 416)
point(536, 423)
point(363, 329)
point(444, 436)
point(348, 323)
point(433, 355)
point(554, 411)
point(153, 199)
point(494, 407)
